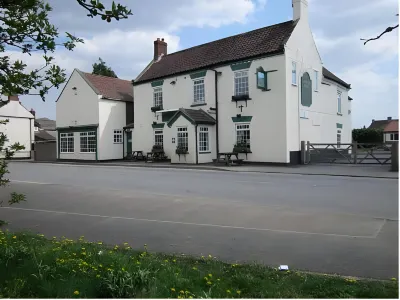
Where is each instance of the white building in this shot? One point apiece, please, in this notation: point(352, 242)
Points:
point(92, 112)
point(265, 90)
point(20, 126)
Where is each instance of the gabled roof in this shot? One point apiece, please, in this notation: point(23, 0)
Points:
point(45, 123)
point(194, 116)
point(109, 87)
point(380, 124)
point(393, 126)
point(2, 103)
point(260, 42)
point(43, 135)
point(328, 74)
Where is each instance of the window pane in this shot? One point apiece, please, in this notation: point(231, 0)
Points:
point(241, 83)
point(243, 134)
point(182, 138)
point(159, 138)
point(261, 80)
point(204, 140)
point(157, 96)
point(198, 91)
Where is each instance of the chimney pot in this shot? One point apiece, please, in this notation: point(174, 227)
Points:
point(33, 112)
point(160, 47)
point(389, 118)
point(373, 120)
point(13, 98)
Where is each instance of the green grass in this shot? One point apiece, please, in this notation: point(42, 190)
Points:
point(32, 266)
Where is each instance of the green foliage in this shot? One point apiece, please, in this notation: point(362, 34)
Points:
point(25, 27)
point(368, 135)
point(34, 267)
point(100, 68)
point(6, 153)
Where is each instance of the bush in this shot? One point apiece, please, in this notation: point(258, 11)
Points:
point(368, 135)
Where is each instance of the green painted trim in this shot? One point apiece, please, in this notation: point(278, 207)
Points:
point(166, 116)
point(209, 152)
point(241, 66)
point(97, 146)
point(242, 119)
point(176, 117)
point(338, 125)
point(160, 125)
point(81, 128)
point(157, 83)
point(198, 74)
point(199, 104)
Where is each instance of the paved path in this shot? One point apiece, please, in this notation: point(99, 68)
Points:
point(319, 223)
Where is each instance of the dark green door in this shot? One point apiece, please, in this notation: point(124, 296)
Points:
point(129, 142)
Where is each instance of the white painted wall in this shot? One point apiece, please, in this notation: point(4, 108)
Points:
point(207, 157)
point(112, 115)
point(77, 154)
point(20, 127)
point(189, 158)
point(266, 144)
point(317, 123)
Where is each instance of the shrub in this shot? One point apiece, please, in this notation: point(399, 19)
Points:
point(368, 135)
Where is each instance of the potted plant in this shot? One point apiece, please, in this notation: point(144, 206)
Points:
point(181, 150)
point(157, 148)
point(241, 148)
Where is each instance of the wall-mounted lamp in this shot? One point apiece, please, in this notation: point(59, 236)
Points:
point(173, 82)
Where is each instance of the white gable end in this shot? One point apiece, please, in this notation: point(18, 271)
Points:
point(14, 109)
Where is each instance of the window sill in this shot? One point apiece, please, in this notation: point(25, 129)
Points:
point(156, 108)
point(304, 118)
point(339, 114)
point(198, 104)
point(66, 152)
point(294, 84)
point(118, 143)
point(209, 152)
point(86, 152)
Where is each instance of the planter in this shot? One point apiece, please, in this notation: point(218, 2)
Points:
point(241, 150)
point(241, 98)
point(179, 152)
point(156, 108)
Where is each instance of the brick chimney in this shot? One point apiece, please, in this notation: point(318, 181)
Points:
point(13, 98)
point(160, 47)
point(33, 112)
point(389, 118)
point(300, 9)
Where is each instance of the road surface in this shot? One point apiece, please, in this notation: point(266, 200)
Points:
point(325, 224)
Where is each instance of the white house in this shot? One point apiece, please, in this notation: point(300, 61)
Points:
point(20, 126)
point(91, 114)
point(264, 91)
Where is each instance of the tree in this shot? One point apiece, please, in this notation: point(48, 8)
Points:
point(387, 30)
point(24, 26)
point(100, 68)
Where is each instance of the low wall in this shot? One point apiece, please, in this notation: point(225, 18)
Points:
point(45, 151)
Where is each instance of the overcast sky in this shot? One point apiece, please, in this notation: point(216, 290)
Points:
point(338, 25)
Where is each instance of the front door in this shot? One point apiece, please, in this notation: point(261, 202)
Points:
point(129, 142)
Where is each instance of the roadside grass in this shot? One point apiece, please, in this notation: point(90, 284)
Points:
point(32, 266)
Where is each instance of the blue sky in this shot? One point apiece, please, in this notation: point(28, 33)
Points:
point(337, 25)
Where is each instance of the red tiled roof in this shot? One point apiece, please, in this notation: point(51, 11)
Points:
point(256, 43)
point(393, 126)
point(109, 87)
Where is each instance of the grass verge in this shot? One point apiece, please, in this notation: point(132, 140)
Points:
point(35, 267)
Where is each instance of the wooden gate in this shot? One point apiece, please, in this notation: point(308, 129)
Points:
point(354, 153)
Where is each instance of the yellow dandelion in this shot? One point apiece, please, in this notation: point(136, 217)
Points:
point(182, 292)
point(209, 256)
point(172, 290)
point(228, 291)
point(393, 279)
point(83, 248)
point(100, 243)
point(174, 260)
point(194, 268)
point(206, 278)
point(166, 260)
point(138, 262)
point(190, 297)
point(126, 244)
point(238, 292)
point(123, 269)
point(76, 293)
point(100, 265)
point(218, 279)
point(14, 237)
point(83, 253)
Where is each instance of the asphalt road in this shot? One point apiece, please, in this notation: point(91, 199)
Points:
point(325, 224)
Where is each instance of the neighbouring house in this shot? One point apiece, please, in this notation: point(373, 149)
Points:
point(94, 117)
point(261, 92)
point(20, 126)
point(45, 129)
point(390, 128)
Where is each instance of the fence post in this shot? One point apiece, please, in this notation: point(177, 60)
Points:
point(308, 155)
point(303, 153)
point(355, 149)
point(395, 157)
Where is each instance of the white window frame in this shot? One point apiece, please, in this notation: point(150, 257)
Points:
point(392, 136)
point(199, 91)
point(182, 133)
point(294, 73)
point(316, 81)
point(88, 143)
point(67, 140)
point(117, 138)
point(159, 137)
point(238, 82)
point(240, 127)
point(204, 139)
point(339, 102)
point(158, 96)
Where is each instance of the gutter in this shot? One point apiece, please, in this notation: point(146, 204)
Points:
point(216, 112)
point(197, 151)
